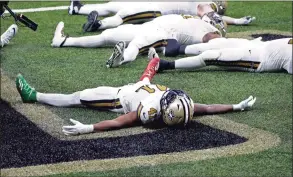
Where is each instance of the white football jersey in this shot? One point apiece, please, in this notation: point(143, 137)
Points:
point(277, 55)
point(177, 7)
point(144, 98)
point(186, 29)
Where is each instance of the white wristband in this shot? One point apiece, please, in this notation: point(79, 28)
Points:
point(236, 107)
point(88, 129)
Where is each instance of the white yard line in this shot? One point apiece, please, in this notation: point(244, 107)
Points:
point(42, 9)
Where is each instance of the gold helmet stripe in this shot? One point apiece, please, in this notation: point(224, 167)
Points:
point(185, 109)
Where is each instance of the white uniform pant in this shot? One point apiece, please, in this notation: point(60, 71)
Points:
point(151, 36)
point(124, 33)
point(272, 56)
point(116, 99)
point(104, 9)
point(137, 13)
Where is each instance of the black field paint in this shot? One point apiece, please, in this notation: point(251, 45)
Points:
point(24, 144)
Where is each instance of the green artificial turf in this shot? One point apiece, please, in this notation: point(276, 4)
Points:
point(66, 70)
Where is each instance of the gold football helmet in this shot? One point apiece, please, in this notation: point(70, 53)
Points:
point(216, 20)
point(177, 107)
point(219, 6)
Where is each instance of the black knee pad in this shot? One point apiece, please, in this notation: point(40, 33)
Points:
point(172, 48)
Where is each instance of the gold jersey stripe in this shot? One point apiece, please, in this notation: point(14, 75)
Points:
point(140, 106)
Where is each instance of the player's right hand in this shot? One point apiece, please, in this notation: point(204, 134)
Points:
point(246, 20)
point(77, 128)
point(248, 103)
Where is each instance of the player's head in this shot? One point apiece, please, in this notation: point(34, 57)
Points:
point(216, 20)
point(219, 6)
point(177, 108)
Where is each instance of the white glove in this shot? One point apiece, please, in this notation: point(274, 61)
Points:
point(244, 20)
point(77, 128)
point(152, 53)
point(243, 105)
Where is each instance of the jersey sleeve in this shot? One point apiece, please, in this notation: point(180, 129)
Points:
point(149, 109)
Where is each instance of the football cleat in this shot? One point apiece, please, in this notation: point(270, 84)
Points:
point(92, 24)
point(74, 7)
point(59, 37)
point(8, 34)
point(151, 69)
point(152, 53)
point(117, 56)
point(27, 93)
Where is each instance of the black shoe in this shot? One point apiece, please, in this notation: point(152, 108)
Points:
point(92, 24)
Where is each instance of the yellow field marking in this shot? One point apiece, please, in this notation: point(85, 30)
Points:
point(258, 140)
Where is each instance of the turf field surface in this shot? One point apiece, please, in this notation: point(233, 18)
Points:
point(70, 69)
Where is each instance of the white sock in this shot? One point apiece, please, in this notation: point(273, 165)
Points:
point(102, 9)
point(86, 41)
point(196, 49)
point(146, 80)
point(130, 53)
point(111, 22)
point(59, 100)
point(190, 63)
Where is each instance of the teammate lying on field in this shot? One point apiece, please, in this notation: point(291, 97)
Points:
point(239, 54)
point(185, 29)
point(139, 12)
point(141, 102)
point(11, 31)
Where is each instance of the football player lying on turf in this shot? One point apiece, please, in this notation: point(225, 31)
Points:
point(11, 31)
point(139, 12)
point(254, 55)
point(156, 33)
point(141, 102)
point(194, 29)
point(8, 35)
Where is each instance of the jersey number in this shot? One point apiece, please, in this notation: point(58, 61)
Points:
point(152, 113)
point(152, 90)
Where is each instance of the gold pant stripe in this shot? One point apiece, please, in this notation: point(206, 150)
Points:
point(160, 43)
point(143, 15)
point(103, 104)
point(243, 64)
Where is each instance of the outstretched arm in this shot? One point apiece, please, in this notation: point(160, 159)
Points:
point(222, 108)
point(119, 122)
point(238, 21)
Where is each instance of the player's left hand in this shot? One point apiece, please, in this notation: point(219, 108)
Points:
point(246, 20)
point(77, 128)
point(248, 103)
